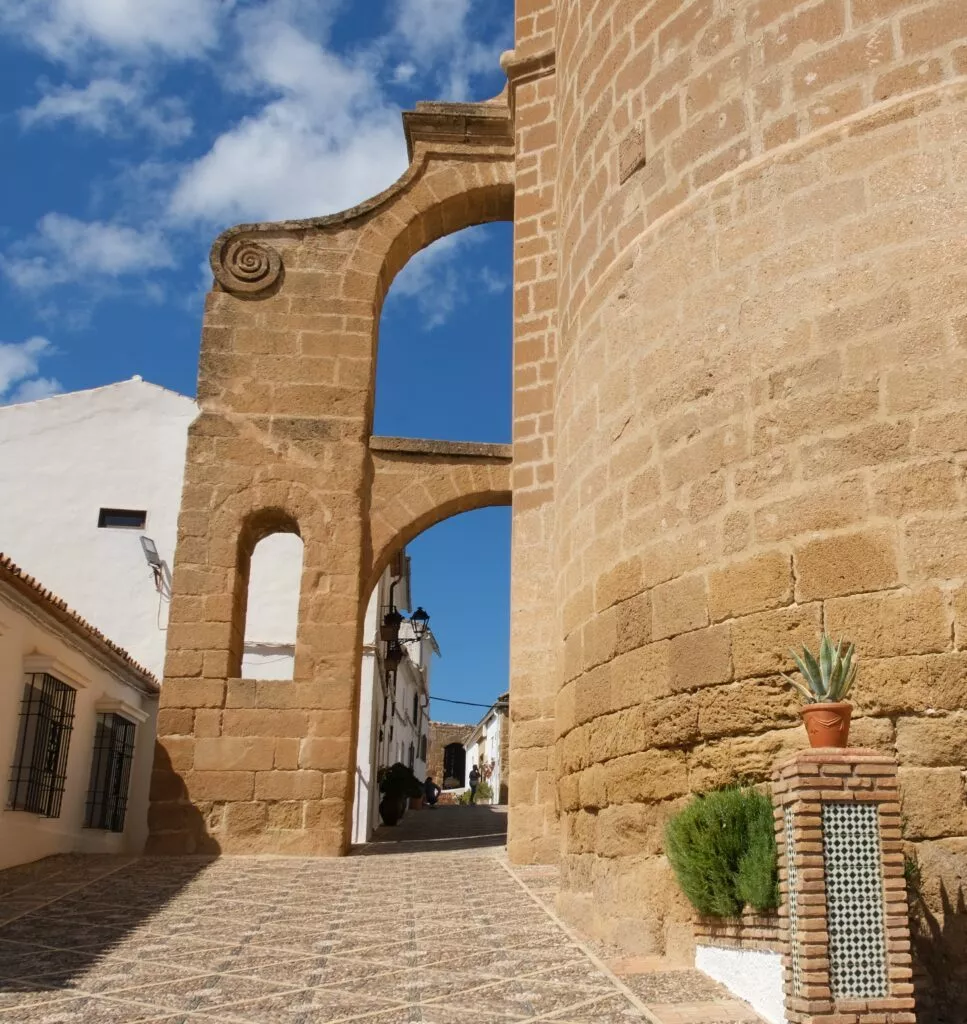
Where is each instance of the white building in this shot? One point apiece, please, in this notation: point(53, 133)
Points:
point(86, 475)
point(488, 747)
point(77, 726)
point(394, 718)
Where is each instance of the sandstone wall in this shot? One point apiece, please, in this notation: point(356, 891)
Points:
point(442, 734)
point(760, 418)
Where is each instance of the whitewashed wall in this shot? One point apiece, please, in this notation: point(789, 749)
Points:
point(26, 837)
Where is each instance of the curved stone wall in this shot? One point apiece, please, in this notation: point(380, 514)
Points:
point(760, 415)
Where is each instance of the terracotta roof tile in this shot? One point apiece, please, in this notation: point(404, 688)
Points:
point(12, 574)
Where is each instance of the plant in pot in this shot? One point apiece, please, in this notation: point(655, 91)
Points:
point(397, 784)
point(828, 681)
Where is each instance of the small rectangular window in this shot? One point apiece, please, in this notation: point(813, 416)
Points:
point(107, 794)
point(122, 518)
point(40, 765)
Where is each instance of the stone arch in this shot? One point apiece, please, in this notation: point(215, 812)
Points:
point(417, 484)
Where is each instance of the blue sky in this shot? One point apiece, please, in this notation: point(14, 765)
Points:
point(135, 132)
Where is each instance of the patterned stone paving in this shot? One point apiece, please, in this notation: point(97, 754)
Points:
point(432, 937)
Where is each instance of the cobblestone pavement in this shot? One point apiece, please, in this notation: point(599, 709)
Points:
point(436, 937)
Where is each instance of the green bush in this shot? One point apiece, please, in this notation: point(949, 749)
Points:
point(722, 847)
point(484, 794)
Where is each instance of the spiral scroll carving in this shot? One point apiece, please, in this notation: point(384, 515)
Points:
point(244, 266)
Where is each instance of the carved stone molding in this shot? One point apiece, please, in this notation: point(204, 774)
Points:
point(244, 266)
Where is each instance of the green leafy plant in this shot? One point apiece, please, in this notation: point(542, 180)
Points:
point(828, 679)
point(399, 781)
point(912, 875)
point(722, 848)
point(484, 794)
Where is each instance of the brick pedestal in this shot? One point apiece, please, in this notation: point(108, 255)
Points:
point(844, 899)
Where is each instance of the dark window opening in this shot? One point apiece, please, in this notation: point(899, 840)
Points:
point(416, 707)
point(423, 748)
point(412, 757)
point(122, 518)
point(40, 765)
point(454, 766)
point(107, 794)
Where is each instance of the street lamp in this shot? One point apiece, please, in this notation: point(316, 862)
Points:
point(390, 632)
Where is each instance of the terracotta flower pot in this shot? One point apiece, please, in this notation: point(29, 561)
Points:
point(827, 725)
point(416, 803)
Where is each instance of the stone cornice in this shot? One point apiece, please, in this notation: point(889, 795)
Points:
point(459, 123)
point(447, 449)
point(526, 67)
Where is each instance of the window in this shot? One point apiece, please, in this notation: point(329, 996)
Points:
point(107, 794)
point(423, 748)
point(122, 519)
point(40, 765)
point(412, 757)
point(416, 707)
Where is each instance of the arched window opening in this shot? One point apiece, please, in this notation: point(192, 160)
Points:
point(272, 612)
point(454, 766)
point(444, 359)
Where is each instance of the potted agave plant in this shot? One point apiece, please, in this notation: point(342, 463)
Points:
point(828, 681)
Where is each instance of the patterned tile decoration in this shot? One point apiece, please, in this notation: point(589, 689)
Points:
point(792, 873)
point(854, 901)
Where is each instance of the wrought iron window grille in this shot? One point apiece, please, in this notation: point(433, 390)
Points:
point(107, 793)
point(39, 772)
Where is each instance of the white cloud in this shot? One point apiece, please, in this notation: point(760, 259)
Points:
point(324, 141)
point(108, 105)
point(404, 73)
point(19, 368)
point(134, 29)
point(432, 280)
point(493, 282)
point(65, 249)
point(442, 44)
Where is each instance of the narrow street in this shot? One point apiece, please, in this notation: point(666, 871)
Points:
point(429, 923)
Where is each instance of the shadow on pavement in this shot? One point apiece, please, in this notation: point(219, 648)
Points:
point(444, 829)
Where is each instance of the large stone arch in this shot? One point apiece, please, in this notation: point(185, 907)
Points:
point(420, 483)
point(286, 385)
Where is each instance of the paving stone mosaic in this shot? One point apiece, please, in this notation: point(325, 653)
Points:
point(425, 929)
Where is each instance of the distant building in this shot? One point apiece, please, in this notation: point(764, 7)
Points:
point(394, 716)
point(77, 725)
point(448, 754)
point(488, 747)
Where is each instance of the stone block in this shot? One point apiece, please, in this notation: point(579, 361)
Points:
point(634, 623)
point(761, 642)
point(176, 722)
point(193, 693)
point(252, 722)
point(920, 487)
point(910, 686)
point(700, 658)
point(932, 802)
point(177, 751)
point(933, 742)
point(640, 675)
point(229, 753)
point(936, 548)
point(286, 814)
point(752, 585)
point(326, 754)
point(745, 708)
point(851, 563)
point(678, 606)
point(241, 818)
point(298, 785)
point(220, 785)
point(646, 777)
point(742, 758)
point(888, 625)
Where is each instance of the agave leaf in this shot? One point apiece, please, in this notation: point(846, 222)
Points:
point(807, 694)
point(814, 676)
point(848, 685)
point(826, 660)
point(836, 674)
point(803, 668)
point(846, 680)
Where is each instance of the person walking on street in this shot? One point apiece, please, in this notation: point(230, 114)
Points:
point(474, 782)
